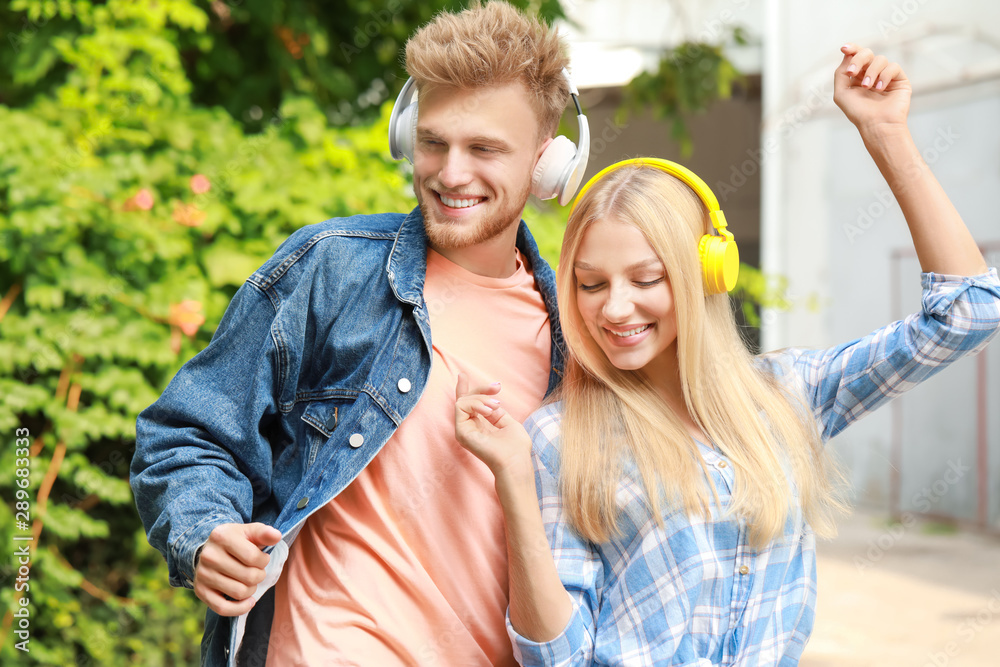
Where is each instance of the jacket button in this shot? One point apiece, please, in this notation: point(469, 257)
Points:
point(303, 502)
point(404, 385)
point(356, 440)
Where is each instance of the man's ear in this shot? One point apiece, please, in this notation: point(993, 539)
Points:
point(542, 147)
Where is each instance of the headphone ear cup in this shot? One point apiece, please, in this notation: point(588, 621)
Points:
point(406, 130)
point(720, 263)
point(548, 178)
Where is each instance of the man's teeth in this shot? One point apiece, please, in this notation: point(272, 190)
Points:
point(631, 332)
point(460, 203)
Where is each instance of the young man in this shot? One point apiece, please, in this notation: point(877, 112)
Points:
point(301, 474)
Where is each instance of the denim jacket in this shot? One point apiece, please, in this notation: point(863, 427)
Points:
point(321, 354)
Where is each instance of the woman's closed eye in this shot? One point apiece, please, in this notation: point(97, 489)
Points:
point(592, 287)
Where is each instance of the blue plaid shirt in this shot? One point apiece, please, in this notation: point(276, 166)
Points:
point(693, 592)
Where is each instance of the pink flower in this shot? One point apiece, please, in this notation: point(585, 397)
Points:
point(143, 199)
point(200, 184)
point(187, 316)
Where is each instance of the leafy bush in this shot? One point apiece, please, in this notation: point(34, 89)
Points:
point(128, 218)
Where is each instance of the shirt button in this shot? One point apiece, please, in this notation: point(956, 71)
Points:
point(722, 464)
point(404, 385)
point(302, 503)
point(356, 440)
point(744, 569)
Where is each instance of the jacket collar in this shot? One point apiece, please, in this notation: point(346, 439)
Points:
point(407, 265)
point(545, 280)
point(407, 269)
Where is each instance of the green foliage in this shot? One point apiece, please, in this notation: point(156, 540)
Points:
point(115, 298)
point(246, 56)
point(755, 290)
point(130, 212)
point(689, 79)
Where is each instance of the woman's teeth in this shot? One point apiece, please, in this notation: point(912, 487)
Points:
point(631, 332)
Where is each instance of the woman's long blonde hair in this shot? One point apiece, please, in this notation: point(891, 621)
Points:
point(611, 416)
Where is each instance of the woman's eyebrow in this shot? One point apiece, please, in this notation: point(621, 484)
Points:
point(584, 266)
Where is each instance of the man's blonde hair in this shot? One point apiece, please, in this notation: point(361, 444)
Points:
point(493, 45)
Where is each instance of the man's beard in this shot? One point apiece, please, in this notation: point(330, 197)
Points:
point(450, 235)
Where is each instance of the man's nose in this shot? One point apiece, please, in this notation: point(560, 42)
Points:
point(456, 170)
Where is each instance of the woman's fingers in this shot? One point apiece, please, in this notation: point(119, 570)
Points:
point(891, 73)
point(462, 387)
point(481, 405)
point(867, 70)
point(859, 59)
point(872, 72)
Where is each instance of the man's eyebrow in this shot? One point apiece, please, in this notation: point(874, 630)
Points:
point(584, 266)
point(423, 131)
point(493, 141)
point(497, 142)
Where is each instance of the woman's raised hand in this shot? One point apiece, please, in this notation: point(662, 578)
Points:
point(871, 90)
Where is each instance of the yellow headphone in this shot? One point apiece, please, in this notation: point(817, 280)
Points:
point(720, 258)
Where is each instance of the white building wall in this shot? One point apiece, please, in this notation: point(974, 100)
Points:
point(829, 224)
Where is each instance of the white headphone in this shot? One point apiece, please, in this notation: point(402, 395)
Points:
point(557, 173)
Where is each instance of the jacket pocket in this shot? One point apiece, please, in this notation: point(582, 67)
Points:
point(323, 416)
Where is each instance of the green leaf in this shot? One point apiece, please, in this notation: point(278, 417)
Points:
point(72, 524)
point(227, 264)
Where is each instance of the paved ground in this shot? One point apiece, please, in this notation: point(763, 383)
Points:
point(902, 596)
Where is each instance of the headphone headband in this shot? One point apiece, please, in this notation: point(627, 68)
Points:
point(691, 179)
point(719, 255)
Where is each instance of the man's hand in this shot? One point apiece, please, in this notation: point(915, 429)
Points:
point(231, 565)
point(870, 90)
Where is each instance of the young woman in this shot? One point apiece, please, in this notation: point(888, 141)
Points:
point(681, 481)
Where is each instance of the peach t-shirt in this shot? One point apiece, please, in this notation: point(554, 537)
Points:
point(408, 565)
